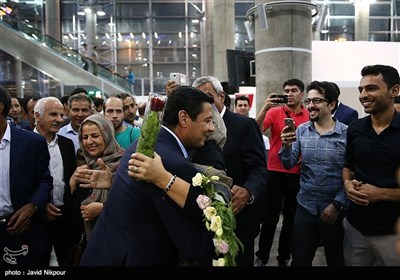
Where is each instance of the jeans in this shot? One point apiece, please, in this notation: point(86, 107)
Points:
point(307, 232)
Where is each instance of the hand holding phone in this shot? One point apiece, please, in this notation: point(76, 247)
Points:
point(178, 78)
point(289, 122)
point(283, 98)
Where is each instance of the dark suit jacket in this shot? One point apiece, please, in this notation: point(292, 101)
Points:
point(30, 182)
point(142, 226)
point(30, 179)
point(244, 155)
point(69, 162)
point(345, 114)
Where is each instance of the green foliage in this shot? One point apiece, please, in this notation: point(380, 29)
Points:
point(149, 134)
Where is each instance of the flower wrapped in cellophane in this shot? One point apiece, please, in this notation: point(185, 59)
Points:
point(218, 215)
point(151, 124)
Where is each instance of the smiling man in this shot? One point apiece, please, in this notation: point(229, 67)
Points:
point(140, 224)
point(321, 199)
point(372, 159)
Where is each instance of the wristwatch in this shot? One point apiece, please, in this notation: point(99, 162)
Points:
point(338, 205)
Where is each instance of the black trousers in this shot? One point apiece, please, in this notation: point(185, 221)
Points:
point(61, 238)
point(281, 192)
point(308, 229)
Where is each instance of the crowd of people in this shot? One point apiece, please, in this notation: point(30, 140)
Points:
point(76, 174)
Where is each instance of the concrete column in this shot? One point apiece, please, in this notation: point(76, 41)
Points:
point(361, 25)
point(220, 34)
point(53, 19)
point(91, 19)
point(283, 51)
point(19, 78)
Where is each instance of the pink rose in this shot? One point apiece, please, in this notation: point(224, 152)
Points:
point(221, 246)
point(203, 201)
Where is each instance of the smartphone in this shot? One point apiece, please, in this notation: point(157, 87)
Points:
point(289, 122)
point(178, 78)
point(283, 98)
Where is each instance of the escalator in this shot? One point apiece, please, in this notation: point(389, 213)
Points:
point(56, 60)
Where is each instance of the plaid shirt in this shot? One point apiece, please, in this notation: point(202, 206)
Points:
point(322, 161)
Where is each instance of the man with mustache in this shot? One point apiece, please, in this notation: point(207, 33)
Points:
point(49, 113)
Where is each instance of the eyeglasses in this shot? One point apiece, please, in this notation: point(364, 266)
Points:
point(315, 100)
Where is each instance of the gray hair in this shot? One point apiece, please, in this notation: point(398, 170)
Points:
point(209, 79)
point(39, 107)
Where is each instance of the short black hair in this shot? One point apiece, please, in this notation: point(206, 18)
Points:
point(389, 73)
point(327, 89)
point(294, 82)
point(78, 90)
point(36, 97)
point(64, 99)
point(6, 100)
point(397, 99)
point(242, 97)
point(124, 96)
point(98, 101)
point(185, 98)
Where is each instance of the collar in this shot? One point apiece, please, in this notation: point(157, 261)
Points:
point(184, 152)
point(286, 109)
point(71, 129)
point(223, 111)
point(6, 136)
point(310, 125)
point(53, 142)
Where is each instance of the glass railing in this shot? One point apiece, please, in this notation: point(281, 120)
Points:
point(67, 53)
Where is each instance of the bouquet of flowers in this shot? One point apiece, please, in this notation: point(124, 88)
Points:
point(151, 124)
point(219, 218)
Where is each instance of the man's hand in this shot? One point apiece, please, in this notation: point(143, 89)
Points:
point(352, 189)
point(21, 220)
point(171, 86)
point(52, 212)
point(240, 196)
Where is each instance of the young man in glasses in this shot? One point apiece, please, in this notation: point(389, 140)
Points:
point(321, 144)
point(283, 184)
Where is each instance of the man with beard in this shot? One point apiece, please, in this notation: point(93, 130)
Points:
point(130, 108)
point(369, 176)
point(114, 111)
point(320, 143)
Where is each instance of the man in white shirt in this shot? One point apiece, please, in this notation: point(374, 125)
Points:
point(49, 116)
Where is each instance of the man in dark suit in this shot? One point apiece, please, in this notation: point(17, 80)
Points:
point(245, 159)
point(342, 112)
point(140, 224)
point(49, 113)
point(24, 193)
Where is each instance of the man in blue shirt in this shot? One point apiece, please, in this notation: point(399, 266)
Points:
point(320, 146)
